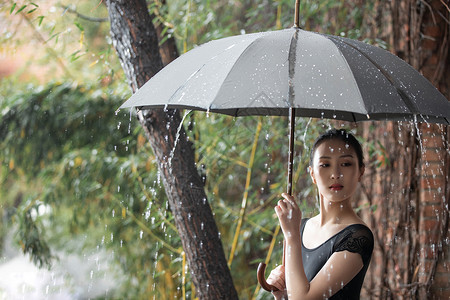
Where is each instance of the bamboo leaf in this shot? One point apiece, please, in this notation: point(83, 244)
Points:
point(79, 26)
point(40, 18)
point(13, 7)
point(21, 8)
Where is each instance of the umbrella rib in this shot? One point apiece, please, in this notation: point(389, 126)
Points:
point(292, 60)
point(413, 109)
point(258, 36)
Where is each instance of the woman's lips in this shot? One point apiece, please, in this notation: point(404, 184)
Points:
point(336, 187)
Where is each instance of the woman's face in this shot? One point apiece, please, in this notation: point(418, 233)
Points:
point(335, 170)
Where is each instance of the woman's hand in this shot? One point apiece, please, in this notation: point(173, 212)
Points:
point(290, 216)
point(278, 280)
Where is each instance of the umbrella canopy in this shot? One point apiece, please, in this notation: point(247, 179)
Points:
point(322, 76)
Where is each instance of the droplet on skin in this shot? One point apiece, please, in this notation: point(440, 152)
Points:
point(290, 214)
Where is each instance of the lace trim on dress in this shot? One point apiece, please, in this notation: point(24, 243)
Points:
point(357, 240)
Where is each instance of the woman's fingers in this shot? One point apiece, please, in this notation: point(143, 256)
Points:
point(280, 286)
point(276, 278)
point(288, 199)
point(285, 205)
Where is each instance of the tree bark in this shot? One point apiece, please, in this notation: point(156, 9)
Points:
point(135, 39)
point(411, 190)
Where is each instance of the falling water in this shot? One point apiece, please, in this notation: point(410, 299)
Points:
point(416, 125)
point(177, 138)
point(306, 130)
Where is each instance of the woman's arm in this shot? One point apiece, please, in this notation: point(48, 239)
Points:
point(336, 273)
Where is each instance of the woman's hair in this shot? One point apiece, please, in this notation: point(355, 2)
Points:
point(338, 134)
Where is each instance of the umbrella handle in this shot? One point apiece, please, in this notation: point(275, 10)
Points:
point(262, 279)
point(260, 273)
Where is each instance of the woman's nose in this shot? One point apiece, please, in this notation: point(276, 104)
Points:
point(336, 174)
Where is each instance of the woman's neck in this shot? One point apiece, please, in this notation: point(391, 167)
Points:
point(335, 212)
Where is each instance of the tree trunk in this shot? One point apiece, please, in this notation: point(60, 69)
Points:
point(136, 43)
point(411, 190)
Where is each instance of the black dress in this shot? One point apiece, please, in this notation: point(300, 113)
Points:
point(356, 238)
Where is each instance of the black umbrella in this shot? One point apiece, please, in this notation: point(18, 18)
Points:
point(294, 72)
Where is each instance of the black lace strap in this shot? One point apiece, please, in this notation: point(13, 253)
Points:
point(356, 239)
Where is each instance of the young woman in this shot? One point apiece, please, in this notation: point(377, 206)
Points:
point(326, 256)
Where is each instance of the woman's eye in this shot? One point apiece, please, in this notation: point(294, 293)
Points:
point(347, 164)
point(323, 165)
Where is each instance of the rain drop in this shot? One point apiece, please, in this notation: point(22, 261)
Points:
point(290, 214)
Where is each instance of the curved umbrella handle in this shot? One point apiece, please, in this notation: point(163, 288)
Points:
point(262, 279)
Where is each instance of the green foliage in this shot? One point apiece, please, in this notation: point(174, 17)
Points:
point(83, 169)
point(194, 22)
point(49, 40)
point(30, 234)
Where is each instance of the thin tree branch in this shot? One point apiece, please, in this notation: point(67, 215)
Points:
point(81, 16)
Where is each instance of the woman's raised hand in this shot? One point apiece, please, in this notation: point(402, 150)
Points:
point(289, 215)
